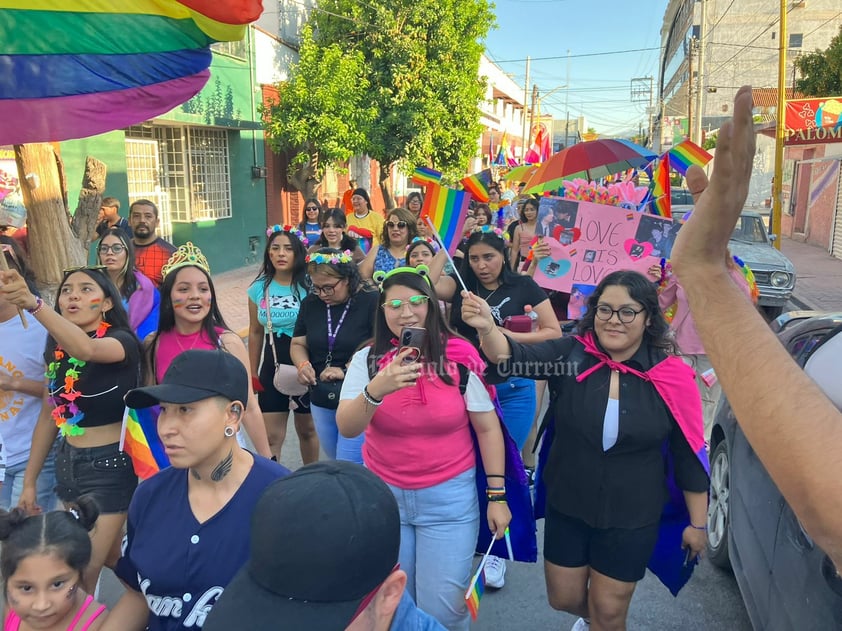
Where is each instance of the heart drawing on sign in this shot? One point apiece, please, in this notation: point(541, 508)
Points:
point(566, 236)
point(554, 268)
point(637, 249)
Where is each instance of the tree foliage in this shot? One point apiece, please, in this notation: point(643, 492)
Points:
point(821, 70)
point(322, 114)
point(422, 63)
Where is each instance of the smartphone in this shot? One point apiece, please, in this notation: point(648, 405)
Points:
point(412, 337)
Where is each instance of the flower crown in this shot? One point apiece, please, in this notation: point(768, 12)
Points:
point(290, 229)
point(431, 242)
point(486, 229)
point(185, 255)
point(333, 258)
point(423, 271)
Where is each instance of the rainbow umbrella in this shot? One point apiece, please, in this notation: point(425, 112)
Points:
point(589, 160)
point(77, 68)
point(521, 173)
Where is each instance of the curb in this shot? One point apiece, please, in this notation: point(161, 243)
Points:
point(803, 304)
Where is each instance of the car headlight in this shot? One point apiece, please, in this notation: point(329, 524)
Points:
point(779, 279)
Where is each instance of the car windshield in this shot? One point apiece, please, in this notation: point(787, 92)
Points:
point(749, 230)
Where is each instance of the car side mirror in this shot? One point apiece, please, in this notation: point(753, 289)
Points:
point(773, 237)
point(831, 576)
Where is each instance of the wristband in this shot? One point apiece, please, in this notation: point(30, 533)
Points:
point(39, 304)
point(698, 527)
point(304, 365)
point(370, 399)
point(494, 475)
point(496, 497)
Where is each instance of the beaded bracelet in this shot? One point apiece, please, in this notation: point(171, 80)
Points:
point(39, 304)
point(370, 399)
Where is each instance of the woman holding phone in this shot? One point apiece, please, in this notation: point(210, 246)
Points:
point(417, 422)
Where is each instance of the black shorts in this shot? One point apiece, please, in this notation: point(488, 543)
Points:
point(106, 473)
point(619, 553)
point(271, 400)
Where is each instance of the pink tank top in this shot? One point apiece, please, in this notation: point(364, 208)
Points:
point(172, 343)
point(12, 622)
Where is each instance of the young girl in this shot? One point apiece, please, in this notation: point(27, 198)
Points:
point(42, 562)
point(311, 225)
point(334, 235)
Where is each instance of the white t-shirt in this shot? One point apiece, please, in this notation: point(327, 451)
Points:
point(476, 396)
point(21, 355)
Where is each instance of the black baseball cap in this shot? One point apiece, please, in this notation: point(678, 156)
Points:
point(195, 375)
point(322, 540)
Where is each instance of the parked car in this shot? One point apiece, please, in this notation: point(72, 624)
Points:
point(774, 272)
point(680, 196)
point(787, 582)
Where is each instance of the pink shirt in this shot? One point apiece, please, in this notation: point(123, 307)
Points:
point(172, 343)
point(686, 335)
point(13, 621)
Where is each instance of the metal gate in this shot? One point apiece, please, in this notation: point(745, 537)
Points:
point(143, 172)
point(836, 234)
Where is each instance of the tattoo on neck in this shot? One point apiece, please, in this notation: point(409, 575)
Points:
point(223, 468)
point(195, 474)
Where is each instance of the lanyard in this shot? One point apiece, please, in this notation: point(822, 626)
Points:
point(331, 334)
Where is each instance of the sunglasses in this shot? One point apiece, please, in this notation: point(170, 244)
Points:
point(117, 248)
point(391, 225)
point(413, 302)
point(81, 268)
point(309, 208)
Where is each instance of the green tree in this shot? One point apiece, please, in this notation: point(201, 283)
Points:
point(322, 114)
point(422, 61)
point(821, 71)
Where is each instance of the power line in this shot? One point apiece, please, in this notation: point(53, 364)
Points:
point(609, 52)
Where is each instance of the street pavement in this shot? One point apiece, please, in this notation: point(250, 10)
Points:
point(818, 284)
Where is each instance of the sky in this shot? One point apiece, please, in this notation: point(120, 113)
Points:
point(600, 85)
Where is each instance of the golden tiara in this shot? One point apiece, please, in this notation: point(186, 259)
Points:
point(187, 254)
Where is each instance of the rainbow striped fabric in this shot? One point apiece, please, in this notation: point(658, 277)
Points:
point(478, 184)
point(77, 68)
point(446, 210)
point(661, 194)
point(139, 439)
point(424, 176)
point(474, 594)
point(687, 153)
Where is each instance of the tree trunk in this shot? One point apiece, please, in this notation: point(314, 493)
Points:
point(90, 201)
point(53, 245)
point(385, 182)
point(305, 178)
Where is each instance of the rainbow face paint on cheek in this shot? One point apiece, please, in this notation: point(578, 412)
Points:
point(177, 303)
point(96, 303)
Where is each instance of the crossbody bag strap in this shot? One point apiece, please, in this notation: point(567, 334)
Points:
point(269, 325)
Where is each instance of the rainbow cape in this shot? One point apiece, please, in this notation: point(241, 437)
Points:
point(660, 187)
point(478, 184)
point(446, 210)
point(424, 176)
point(685, 153)
point(83, 67)
point(139, 439)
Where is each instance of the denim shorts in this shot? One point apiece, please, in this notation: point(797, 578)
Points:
point(105, 472)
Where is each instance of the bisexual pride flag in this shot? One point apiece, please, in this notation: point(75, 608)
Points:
point(446, 209)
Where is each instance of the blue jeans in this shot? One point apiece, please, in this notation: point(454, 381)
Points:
point(439, 527)
point(45, 486)
point(334, 444)
point(518, 400)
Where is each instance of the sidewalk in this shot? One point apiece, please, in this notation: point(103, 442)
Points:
point(818, 284)
point(231, 289)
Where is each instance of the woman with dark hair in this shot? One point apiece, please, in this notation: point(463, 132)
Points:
point(414, 203)
point(140, 298)
point(417, 422)
point(311, 225)
point(626, 411)
point(93, 359)
point(274, 300)
point(332, 321)
point(398, 231)
point(334, 235)
point(524, 232)
point(21, 389)
point(191, 319)
point(363, 222)
point(483, 215)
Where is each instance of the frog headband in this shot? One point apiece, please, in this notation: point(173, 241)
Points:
point(423, 271)
point(289, 229)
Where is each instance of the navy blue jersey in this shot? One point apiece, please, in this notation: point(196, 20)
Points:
point(180, 565)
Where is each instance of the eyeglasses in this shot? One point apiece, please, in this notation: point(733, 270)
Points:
point(325, 290)
point(309, 208)
point(413, 302)
point(391, 225)
point(95, 268)
point(117, 248)
point(625, 314)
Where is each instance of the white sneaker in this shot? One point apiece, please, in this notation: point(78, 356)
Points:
point(581, 625)
point(495, 572)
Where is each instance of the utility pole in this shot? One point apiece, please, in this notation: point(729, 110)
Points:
point(532, 110)
point(690, 93)
point(696, 134)
point(567, 104)
point(777, 184)
point(641, 92)
point(525, 101)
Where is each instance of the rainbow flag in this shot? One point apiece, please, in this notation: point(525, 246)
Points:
point(686, 153)
point(139, 439)
point(424, 176)
point(478, 184)
point(474, 594)
point(446, 209)
point(100, 65)
point(661, 193)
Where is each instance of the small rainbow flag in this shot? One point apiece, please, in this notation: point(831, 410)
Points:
point(424, 176)
point(661, 201)
point(478, 185)
point(447, 210)
point(139, 439)
point(477, 587)
point(686, 153)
